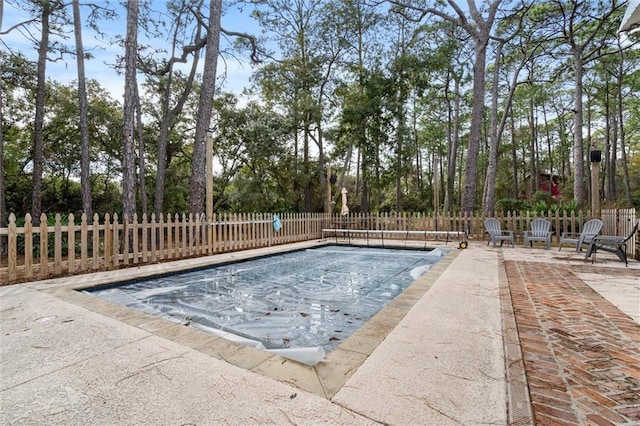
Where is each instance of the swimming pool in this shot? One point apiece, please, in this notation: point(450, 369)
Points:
point(312, 298)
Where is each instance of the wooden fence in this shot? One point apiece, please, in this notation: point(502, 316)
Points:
point(618, 221)
point(64, 247)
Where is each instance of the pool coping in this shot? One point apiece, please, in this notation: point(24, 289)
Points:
point(324, 379)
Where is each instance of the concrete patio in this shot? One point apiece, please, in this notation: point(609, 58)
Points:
point(445, 352)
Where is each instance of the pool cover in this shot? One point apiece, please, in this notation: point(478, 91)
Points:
point(303, 299)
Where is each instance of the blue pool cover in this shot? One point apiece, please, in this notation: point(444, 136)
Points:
point(309, 298)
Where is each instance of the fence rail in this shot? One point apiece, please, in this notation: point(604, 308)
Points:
point(67, 247)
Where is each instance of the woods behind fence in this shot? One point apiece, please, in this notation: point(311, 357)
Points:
point(62, 245)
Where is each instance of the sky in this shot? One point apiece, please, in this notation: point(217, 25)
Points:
point(238, 70)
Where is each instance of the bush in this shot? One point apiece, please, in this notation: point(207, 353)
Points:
point(51, 221)
point(512, 205)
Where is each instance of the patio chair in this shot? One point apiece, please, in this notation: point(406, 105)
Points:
point(496, 234)
point(539, 232)
point(590, 229)
point(611, 243)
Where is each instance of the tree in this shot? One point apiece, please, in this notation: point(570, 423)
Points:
point(480, 31)
point(294, 80)
point(205, 104)
point(48, 9)
point(3, 206)
point(129, 112)
point(586, 39)
point(17, 95)
point(172, 104)
point(525, 49)
point(82, 102)
point(360, 97)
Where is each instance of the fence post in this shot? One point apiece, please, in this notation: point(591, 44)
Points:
point(169, 240)
point(71, 244)
point(145, 238)
point(83, 242)
point(95, 258)
point(28, 246)
point(13, 248)
point(57, 245)
point(108, 249)
point(126, 238)
point(44, 246)
point(115, 241)
point(135, 238)
point(154, 238)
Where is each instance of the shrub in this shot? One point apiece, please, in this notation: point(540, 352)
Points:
point(511, 204)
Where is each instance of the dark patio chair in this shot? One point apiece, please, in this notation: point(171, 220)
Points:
point(589, 231)
point(540, 231)
point(611, 243)
point(496, 233)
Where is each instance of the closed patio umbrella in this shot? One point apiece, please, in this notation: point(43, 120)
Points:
point(345, 209)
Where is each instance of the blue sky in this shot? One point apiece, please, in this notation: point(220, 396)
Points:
point(238, 70)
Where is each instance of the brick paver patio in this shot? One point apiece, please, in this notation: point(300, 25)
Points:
point(581, 354)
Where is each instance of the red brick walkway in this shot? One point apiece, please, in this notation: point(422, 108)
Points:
point(581, 354)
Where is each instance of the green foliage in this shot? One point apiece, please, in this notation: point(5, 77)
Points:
point(61, 183)
point(512, 205)
point(36, 241)
point(542, 201)
point(374, 93)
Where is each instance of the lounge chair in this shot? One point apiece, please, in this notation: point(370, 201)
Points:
point(496, 233)
point(539, 232)
point(612, 244)
point(590, 229)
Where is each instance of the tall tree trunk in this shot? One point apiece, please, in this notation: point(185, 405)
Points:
point(582, 42)
point(3, 205)
point(321, 165)
point(614, 147)
point(480, 31)
point(364, 196)
point(416, 146)
point(38, 122)
point(547, 133)
point(489, 198)
point(514, 158)
point(609, 153)
point(168, 116)
point(454, 142)
point(129, 114)
point(497, 130)
point(142, 185)
point(205, 105)
point(399, 155)
point(306, 166)
point(533, 171)
point(619, 77)
point(578, 149)
point(477, 112)
point(85, 182)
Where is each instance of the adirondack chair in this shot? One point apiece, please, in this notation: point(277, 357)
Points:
point(590, 229)
point(539, 232)
point(612, 244)
point(492, 226)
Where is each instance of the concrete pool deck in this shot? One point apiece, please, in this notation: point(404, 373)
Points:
point(447, 352)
